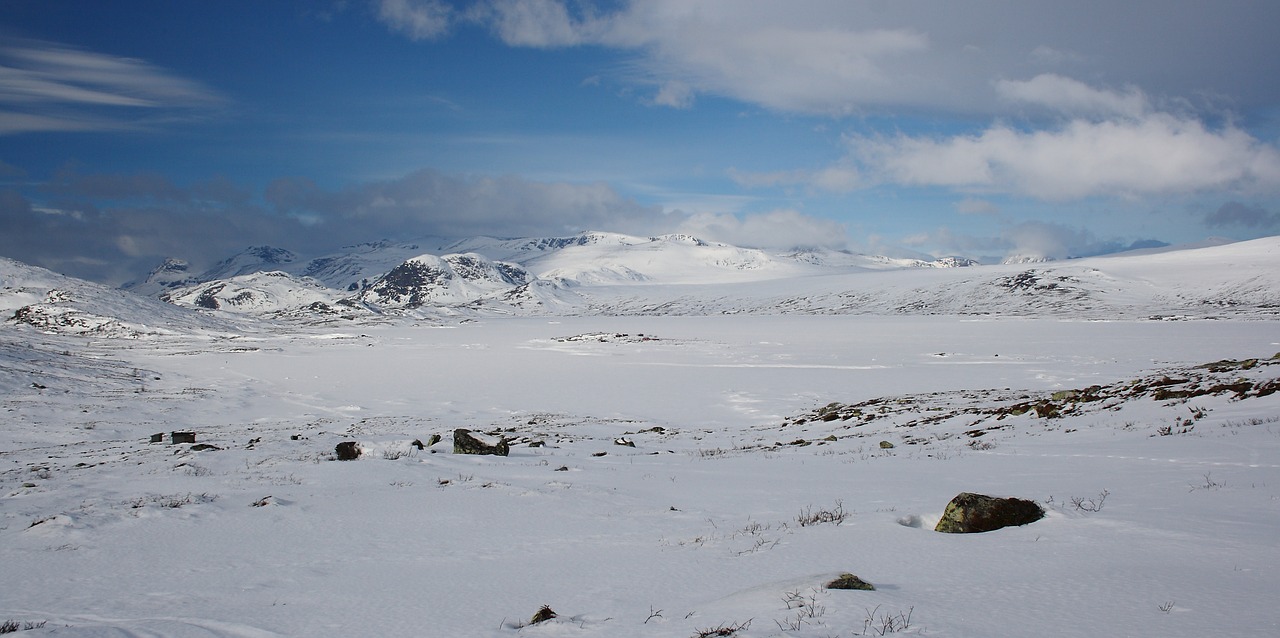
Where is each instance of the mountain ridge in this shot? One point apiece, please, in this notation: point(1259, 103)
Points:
point(613, 274)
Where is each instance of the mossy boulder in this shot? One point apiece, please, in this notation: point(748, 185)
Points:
point(466, 443)
point(849, 581)
point(970, 513)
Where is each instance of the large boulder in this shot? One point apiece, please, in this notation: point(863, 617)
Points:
point(466, 443)
point(969, 513)
point(347, 451)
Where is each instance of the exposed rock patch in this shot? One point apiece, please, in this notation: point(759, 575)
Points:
point(466, 443)
point(849, 581)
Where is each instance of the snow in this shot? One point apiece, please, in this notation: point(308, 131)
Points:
point(695, 528)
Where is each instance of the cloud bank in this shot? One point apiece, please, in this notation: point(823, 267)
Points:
point(840, 57)
point(119, 226)
point(1027, 239)
point(1076, 139)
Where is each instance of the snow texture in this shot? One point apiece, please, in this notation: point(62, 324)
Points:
point(689, 454)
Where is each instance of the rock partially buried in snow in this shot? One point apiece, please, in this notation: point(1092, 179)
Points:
point(465, 443)
point(849, 581)
point(970, 513)
point(347, 451)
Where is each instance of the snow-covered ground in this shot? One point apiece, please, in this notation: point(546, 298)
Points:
point(1163, 514)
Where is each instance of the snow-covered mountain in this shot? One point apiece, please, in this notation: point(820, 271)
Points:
point(510, 275)
point(272, 293)
point(56, 304)
point(611, 274)
point(442, 281)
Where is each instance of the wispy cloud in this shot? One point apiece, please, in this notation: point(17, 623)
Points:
point(51, 87)
point(1073, 97)
point(416, 19)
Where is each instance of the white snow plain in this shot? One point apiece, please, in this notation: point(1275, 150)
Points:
point(696, 530)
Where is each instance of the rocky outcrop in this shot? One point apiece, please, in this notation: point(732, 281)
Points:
point(970, 513)
point(466, 443)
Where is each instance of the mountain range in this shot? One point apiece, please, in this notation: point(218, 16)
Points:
point(597, 273)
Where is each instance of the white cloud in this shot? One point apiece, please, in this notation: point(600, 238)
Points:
point(1073, 97)
point(536, 23)
point(774, 229)
point(787, 67)
point(1031, 238)
point(1047, 240)
point(855, 56)
point(416, 19)
point(1156, 154)
point(764, 53)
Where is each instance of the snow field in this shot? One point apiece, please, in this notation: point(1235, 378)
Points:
point(695, 527)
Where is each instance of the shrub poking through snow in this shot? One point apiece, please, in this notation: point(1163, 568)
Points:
point(886, 623)
point(835, 515)
point(722, 630)
point(543, 615)
point(12, 626)
point(970, 513)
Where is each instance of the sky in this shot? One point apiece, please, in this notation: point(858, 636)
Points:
point(139, 130)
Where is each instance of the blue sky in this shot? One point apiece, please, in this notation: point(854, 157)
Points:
point(133, 131)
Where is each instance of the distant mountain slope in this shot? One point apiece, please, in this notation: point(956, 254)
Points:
point(449, 280)
point(1241, 279)
point(38, 298)
point(272, 293)
point(611, 274)
point(526, 273)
